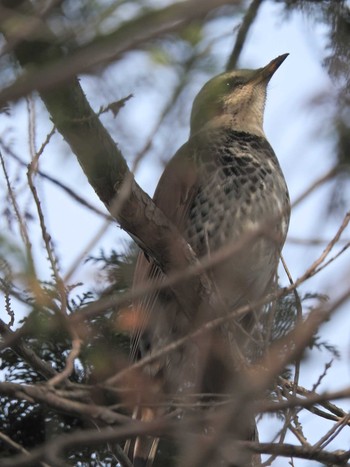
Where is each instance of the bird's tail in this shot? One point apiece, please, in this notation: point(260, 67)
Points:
point(145, 451)
point(145, 447)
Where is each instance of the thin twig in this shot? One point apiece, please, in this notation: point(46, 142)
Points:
point(332, 433)
point(69, 365)
point(76, 341)
point(21, 223)
point(55, 181)
point(25, 352)
point(247, 22)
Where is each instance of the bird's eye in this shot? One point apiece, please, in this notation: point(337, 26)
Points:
point(234, 83)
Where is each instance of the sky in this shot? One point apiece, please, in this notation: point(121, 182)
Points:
point(295, 128)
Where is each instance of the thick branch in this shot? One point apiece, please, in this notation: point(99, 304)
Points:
point(45, 395)
point(101, 51)
point(52, 450)
point(108, 173)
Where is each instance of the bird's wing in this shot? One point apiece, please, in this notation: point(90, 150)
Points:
point(178, 185)
point(174, 194)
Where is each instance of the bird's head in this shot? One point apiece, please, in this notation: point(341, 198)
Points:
point(234, 99)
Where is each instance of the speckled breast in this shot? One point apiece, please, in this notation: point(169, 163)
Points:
point(241, 189)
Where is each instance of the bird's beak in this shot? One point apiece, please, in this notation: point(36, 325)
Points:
point(263, 75)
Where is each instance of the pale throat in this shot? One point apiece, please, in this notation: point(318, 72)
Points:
point(245, 112)
point(247, 122)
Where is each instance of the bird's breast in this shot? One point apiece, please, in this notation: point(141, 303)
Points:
point(241, 189)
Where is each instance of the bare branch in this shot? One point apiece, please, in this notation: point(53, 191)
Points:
point(69, 368)
point(131, 35)
point(52, 450)
point(109, 175)
point(247, 22)
point(48, 396)
point(28, 355)
point(58, 183)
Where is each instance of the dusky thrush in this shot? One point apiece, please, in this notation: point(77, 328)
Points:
point(223, 184)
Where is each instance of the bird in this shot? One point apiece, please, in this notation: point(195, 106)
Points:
point(223, 184)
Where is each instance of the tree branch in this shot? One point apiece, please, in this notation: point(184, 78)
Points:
point(102, 50)
point(28, 355)
point(247, 22)
point(48, 396)
point(108, 173)
point(52, 449)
